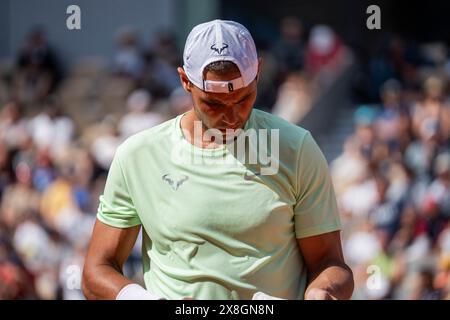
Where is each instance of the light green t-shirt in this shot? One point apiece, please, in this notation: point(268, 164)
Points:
point(213, 226)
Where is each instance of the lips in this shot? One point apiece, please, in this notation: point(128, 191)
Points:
point(233, 126)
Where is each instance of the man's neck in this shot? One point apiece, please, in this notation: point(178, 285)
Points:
point(188, 126)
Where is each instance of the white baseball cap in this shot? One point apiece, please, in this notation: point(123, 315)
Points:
point(220, 40)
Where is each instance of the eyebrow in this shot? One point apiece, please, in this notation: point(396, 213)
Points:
point(210, 101)
point(246, 96)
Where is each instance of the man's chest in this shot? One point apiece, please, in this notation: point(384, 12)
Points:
point(178, 201)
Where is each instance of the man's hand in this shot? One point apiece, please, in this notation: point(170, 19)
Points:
point(318, 294)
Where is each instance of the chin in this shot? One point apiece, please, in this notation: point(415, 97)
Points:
point(230, 138)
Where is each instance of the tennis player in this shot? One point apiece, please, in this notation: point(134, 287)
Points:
point(217, 225)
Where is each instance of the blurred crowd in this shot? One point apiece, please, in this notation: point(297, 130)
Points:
point(59, 130)
point(393, 178)
point(60, 127)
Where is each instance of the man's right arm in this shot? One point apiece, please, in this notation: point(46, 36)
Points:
point(108, 250)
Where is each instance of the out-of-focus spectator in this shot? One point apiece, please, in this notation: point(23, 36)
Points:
point(294, 98)
point(392, 122)
point(14, 282)
point(289, 49)
point(44, 172)
point(394, 59)
point(424, 287)
point(165, 47)
point(20, 201)
point(38, 70)
point(432, 111)
point(439, 190)
point(51, 129)
point(326, 55)
point(40, 254)
point(350, 167)
point(67, 197)
point(105, 141)
point(162, 58)
point(6, 169)
point(140, 116)
point(13, 127)
point(127, 58)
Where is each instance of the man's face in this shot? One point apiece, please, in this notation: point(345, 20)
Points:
point(223, 110)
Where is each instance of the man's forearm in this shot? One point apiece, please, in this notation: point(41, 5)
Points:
point(103, 282)
point(334, 278)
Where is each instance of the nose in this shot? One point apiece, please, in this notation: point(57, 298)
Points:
point(230, 116)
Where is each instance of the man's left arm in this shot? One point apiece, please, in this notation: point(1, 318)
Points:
point(329, 278)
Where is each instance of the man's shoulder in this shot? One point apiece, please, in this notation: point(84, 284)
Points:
point(288, 132)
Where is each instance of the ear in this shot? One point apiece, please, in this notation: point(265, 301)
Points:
point(260, 63)
point(184, 79)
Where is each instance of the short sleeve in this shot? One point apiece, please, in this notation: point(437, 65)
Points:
point(316, 210)
point(116, 205)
